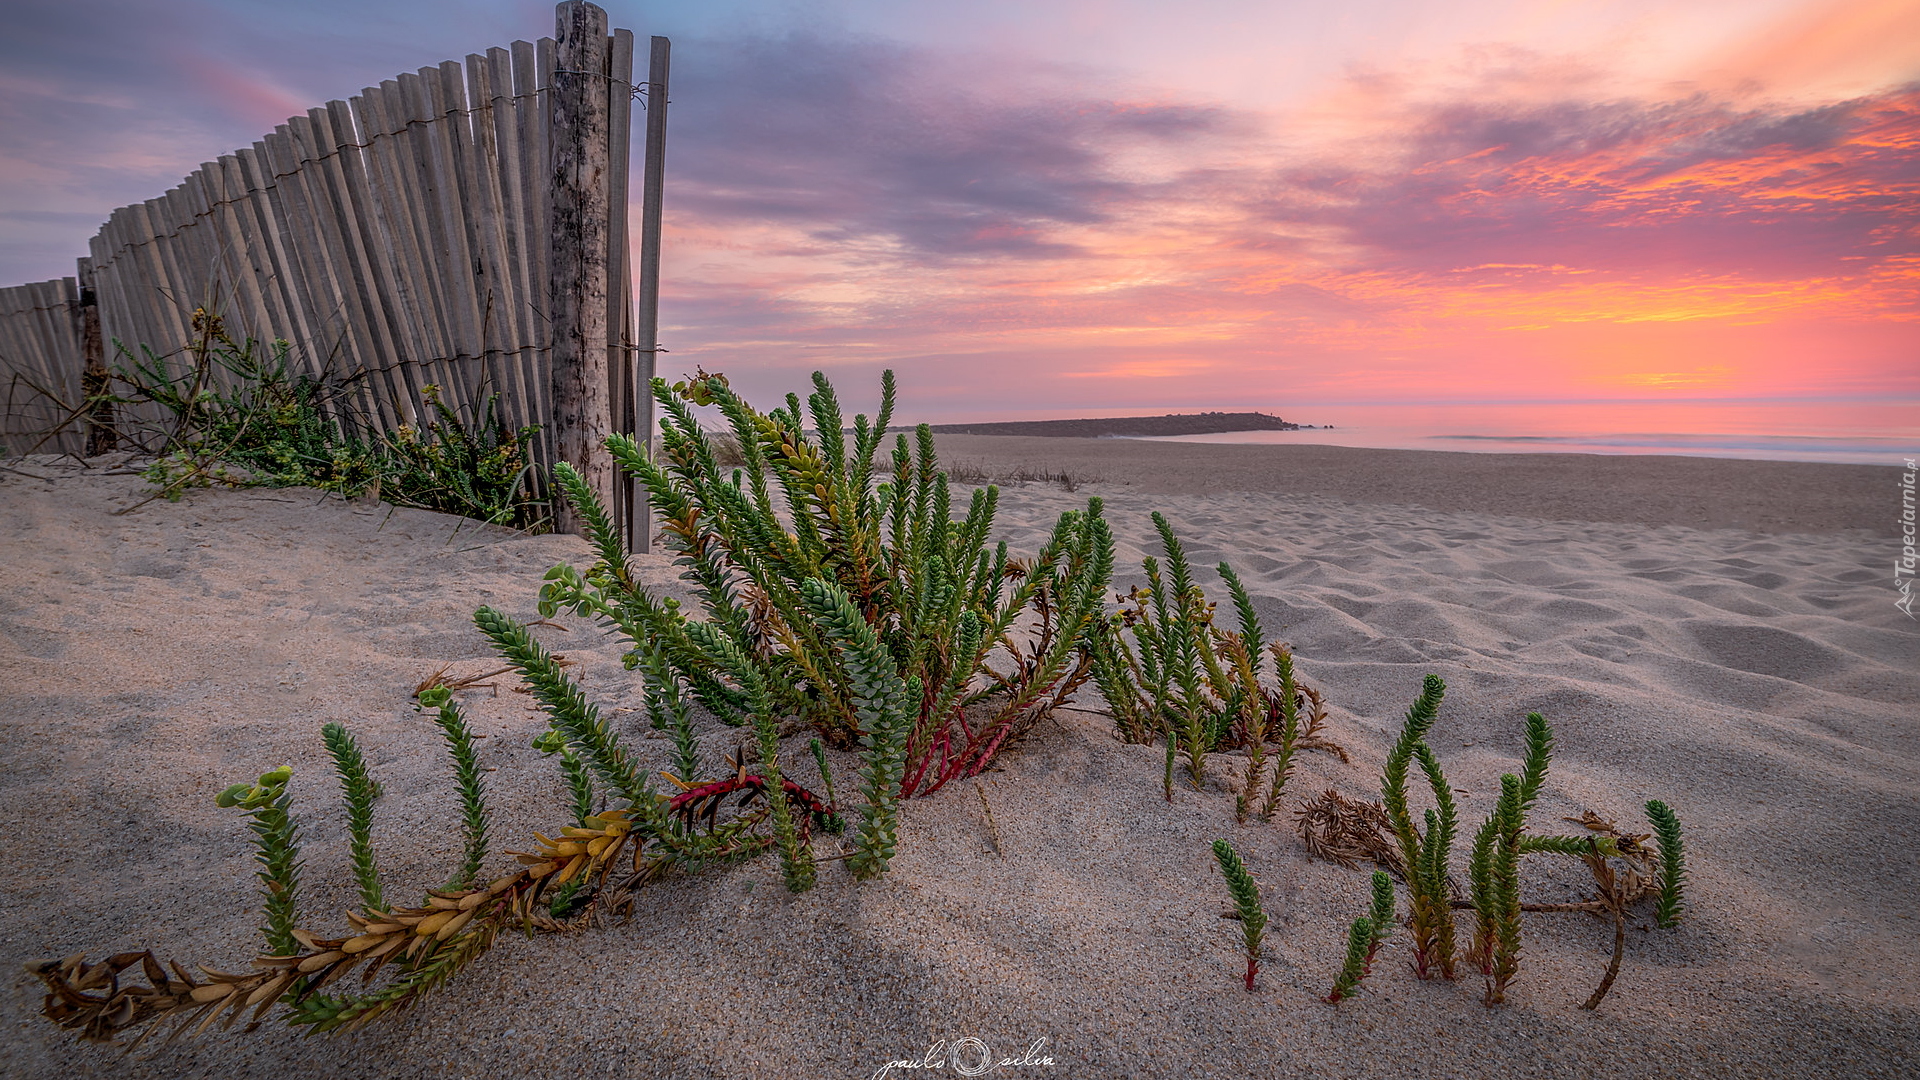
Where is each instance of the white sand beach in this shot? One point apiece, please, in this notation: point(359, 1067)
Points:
point(1720, 635)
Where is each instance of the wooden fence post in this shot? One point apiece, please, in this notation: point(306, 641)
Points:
point(577, 253)
point(647, 328)
point(102, 437)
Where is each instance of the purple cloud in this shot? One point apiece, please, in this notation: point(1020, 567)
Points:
point(854, 143)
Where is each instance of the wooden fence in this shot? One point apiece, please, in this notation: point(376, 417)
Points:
point(404, 238)
point(40, 359)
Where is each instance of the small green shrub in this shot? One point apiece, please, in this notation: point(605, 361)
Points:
point(466, 773)
point(571, 874)
point(480, 470)
point(1623, 868)
point(277, 838)
point(235, 414)
point(1673, 869)
point(1354, 967)
point(1245, 892)
point(1424, 855)
point(358, 790)
point(1374, 928)
point(1168, 672)
point(854, 600)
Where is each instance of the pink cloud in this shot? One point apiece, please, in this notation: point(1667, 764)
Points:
point(1550, 245)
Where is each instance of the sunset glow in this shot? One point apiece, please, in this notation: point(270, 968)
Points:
point(1080, 209)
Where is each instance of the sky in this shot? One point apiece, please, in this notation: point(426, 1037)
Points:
point(1057, 207)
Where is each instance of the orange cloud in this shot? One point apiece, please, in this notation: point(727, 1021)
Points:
point(1840, 46)
point(1544, 247)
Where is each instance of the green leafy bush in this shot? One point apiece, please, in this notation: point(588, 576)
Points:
point(1624, 868)
point(849, 596)
point(1167, 671)
point(235, 414)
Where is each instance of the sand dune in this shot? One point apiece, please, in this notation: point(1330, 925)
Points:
point(1761, 682)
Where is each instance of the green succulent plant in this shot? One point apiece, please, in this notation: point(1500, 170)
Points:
point(236, 414)
point(1245, 892)
point(1168, 671)
point(1424, 854)
point(850, 596)
point(466, 771)
point(358, 790)
point(1673, 869)
point(277, 844)
point(1354, 968)
point(1493, 865)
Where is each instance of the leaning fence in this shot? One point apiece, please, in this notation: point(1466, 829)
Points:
point(40, 356)
point(403, 238)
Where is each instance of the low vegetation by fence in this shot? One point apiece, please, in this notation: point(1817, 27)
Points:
point(462, 226)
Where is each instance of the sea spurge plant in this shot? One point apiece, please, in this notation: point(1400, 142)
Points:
point(579, 779)
point(580, 848)
point(673, 841)
point(466, 772)
point(668, 708)
point(277, 840)
point(881, 701)
point(1364, 939)
point(1245, 892)
point(576, 719)
point(575, 874)
point(1673, 869)
point(1494, 874)
point(796, 856)
point(1169, 671)
point(1354, 968)
point(991, 641)
point(1495, 867)
point(1184, 619)
point(358, 790)
point(1424, 856)
point(1381, 915)
point(832, 824)
point(1242, 655)
point(1289, 709)
point(1624, 868)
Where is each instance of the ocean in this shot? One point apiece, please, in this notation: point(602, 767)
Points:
point(1853, 432)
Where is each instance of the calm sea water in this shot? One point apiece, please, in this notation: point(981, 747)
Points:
point(1856, 432)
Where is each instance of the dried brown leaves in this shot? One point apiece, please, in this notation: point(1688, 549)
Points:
point(1346, 831)
point(1314, 716)
point(95, 1000)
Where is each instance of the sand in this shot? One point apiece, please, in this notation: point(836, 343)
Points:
point(1757, 678)
point(1701, 493)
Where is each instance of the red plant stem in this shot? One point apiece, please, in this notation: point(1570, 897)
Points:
point(1253, 968)
point(941, 742)
point(807, 800)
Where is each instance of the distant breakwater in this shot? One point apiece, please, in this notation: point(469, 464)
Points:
point(1211, 423)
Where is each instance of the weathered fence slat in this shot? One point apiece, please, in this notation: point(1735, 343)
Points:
point(388, 244)
point(333, 127)
point(620, 372)
point(482, 201)
point(450, 267)
point(41, 361)
point(504, 165)
point(469, 273)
